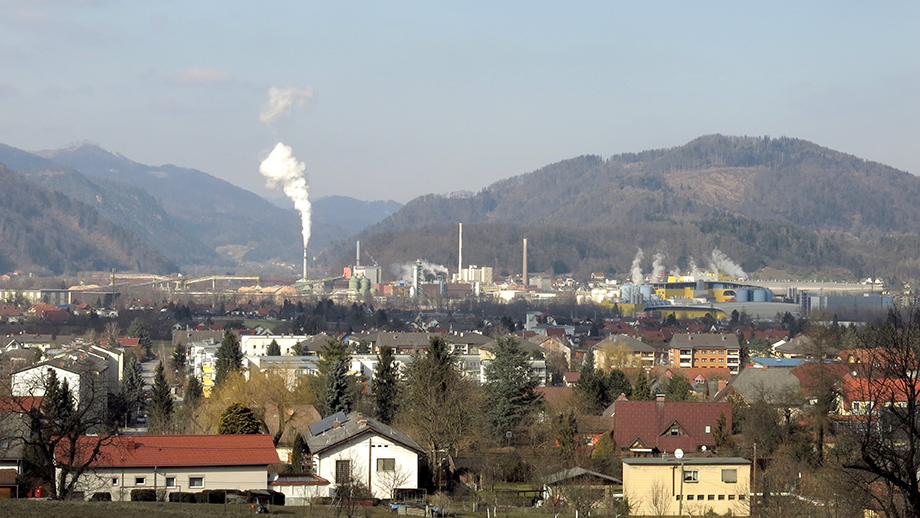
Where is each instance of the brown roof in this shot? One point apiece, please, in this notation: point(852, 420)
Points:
point(650, 421)
point(187, 450)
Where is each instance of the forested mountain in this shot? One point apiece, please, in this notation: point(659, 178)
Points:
point(782, 203)
point(43, 232)
point(129, 206)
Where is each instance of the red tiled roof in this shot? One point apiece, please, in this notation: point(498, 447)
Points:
point(19, 403)
point(649, 421)
point(187, 450)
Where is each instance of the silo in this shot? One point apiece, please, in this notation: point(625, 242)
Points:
point(646, 292)
point(365, 285)
point(760, 295)
point(742, 295)
point(353, 283)
point(626, 292)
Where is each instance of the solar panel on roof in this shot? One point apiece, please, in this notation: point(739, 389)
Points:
point(327, 423)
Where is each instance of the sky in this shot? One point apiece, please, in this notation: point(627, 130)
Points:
point(411, 98)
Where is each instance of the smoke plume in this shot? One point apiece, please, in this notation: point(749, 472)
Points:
point(404, 271)
point(721, 263)
point(281, 101)
point(658, 267)
point(636, 268)
point(695, 272)
point(282, 169)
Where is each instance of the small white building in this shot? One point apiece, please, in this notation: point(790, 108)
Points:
point(353, 448)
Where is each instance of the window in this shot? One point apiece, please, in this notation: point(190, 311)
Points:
point(678, 497)
point(342, 471)
point(721, 497)
point(730, 476)
point(114, 481)
point(711, 497)
point(674, 431)
point(139, 481)
point(731, 497)
point(170, 481)
point(386, 464)
point(691, 475)
point(689, 497)
point(708, 429)
point(741, 496)
point(195, 482)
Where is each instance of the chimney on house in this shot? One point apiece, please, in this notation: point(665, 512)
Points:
point(659, 398)
point(337, 424)
point(362, 422)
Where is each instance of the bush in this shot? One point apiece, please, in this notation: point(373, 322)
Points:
point(185, 498)
point(101, 497)
point(143, 495)
point(211, 497)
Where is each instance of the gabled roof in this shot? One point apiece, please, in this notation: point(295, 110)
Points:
point(646, 420)
point(770, 385)
point(577, 472)
point(354, 426)
point(187, 450)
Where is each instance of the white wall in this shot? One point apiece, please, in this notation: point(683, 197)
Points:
point(372, 447)
point(222, 477)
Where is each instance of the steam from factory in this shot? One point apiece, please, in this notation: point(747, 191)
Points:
point(281, 168)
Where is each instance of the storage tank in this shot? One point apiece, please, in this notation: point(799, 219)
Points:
point(626, 292)
point(645, 291)
point(760, 295)
point(742, 295)
point(353, 283)
point(365, 285)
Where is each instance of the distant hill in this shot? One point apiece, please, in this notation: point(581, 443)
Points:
point(129, 206)
point(46, 232)
point(780, 203)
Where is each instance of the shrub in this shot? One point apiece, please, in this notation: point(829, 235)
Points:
point(185, 498)
point(143, 495)
point(101, 497)
point(211, 497)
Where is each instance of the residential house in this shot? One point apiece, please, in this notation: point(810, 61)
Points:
point(645, 428)
point(352, 448)
point(171, 463)
point(88, 375)
point(621, 351)
point(670, 486)
point(706, 351)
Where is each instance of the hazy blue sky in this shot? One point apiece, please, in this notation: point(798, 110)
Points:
point(419, 97)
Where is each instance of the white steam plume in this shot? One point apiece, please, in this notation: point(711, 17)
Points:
point(658, 267)
point(636, 268)
point(281, 100)
point(282, 169)
point(721, 263)
point(404, 271)
point(695, 272)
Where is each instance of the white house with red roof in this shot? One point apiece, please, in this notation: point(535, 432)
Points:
point(171, 463)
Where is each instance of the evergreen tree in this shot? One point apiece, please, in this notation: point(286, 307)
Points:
point(617, 383)
point(510, 396)
point(238, 419)
point(438, 401)
point(566, 428)
point(132, 384)
point(194, 392)
point(332, 371)
point(604, 456)
point(385, 385)
point(273, 349)
point(138, 330)
point(338, 397)
point(678, 388)
point(161, 402)
point(641, 390)
point(179, 358)
point(229, 357)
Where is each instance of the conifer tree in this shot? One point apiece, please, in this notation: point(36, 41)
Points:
point(641, 390)
point(161, 402)
point(385, 385)
point(510, 389)
point(229, 357)
point(132, 383)
point(238, 419)
point(273, 349)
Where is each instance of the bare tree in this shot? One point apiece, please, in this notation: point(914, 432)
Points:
point(659, 498)
point(65, 434)
point(391, 480)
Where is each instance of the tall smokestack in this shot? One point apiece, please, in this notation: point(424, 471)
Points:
point(526, 280)
point(358, 254)
point(460, 256)
point(304, 263)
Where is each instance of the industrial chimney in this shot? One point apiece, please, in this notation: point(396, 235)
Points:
point(460, 255)
point(358, 254)
point(525, 279)
point(304, 263)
